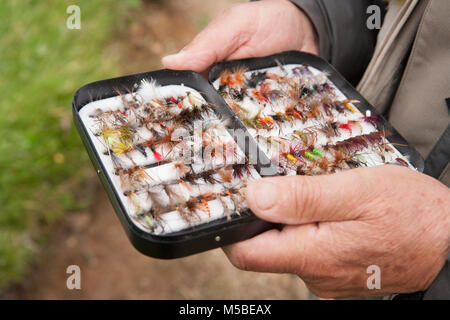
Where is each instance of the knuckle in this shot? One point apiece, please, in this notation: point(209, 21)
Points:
point(364, 181)
point(307, 194)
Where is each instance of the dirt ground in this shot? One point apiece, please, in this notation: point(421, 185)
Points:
point(94, 240)
point(112, 269)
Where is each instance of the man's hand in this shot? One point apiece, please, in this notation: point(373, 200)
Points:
point(247, 30)
point(338, 225)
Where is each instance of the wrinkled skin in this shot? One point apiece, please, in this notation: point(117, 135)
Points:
point(254, 29)
point(335, 226)
point(339, 225)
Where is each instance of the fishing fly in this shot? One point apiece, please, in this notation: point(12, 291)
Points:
point(174, 164)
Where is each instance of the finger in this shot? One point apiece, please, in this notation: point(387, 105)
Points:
point(220, 39)
point(299, 199)
point(275, 251)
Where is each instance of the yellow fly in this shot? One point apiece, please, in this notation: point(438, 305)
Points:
point(119, 140)
point(291, 158)
point(349, 106)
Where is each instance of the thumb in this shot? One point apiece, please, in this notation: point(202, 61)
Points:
point(220, 39)
point(305, 199)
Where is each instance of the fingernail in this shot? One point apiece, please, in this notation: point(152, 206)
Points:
point(263, 194)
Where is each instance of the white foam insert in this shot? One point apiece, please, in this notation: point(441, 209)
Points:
point(170, 221)
point(373, 159)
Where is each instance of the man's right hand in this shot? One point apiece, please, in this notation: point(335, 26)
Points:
point(245, 30)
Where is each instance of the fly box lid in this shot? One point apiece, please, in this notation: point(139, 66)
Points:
point(175, 152)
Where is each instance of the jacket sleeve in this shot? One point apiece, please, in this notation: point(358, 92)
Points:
point(348, 44)
point(344, 38)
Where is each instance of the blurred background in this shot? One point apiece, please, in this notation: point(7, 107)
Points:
point(54, 212)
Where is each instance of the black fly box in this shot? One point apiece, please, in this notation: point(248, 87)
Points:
point(175, 152)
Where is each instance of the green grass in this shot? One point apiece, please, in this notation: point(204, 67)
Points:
point(42, 161)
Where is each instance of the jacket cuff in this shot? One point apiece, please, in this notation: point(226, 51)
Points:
point(440, 288)
point(320, 21)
